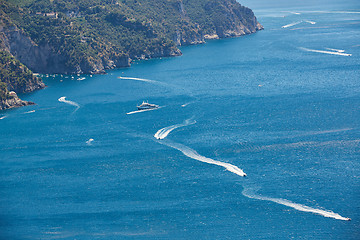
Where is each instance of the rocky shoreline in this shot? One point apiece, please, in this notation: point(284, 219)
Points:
point(103, 36)
point(13, 102)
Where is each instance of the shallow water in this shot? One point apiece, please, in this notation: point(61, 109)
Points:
point(287, 117)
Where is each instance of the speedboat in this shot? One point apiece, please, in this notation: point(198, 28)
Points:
point(146, 105)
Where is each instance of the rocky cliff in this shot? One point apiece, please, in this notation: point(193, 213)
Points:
point(90, 36)
point(13, 101)
point(15, 78)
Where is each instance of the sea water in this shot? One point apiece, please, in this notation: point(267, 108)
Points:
point(281, 106)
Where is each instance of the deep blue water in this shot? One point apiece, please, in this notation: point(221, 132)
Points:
point(266, 103)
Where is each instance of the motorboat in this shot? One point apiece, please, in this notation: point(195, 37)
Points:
point(146, 105)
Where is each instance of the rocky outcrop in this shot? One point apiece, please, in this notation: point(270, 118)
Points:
point(13, 101)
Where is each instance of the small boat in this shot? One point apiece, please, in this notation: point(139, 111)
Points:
point(146, 105)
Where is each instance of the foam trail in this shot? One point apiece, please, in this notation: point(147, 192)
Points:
point(62, 99)
point(32, 111)
point(184, 105)
point(311, 22)
point(3, 117)
point(162, 133)
point(141, 80)
point(327, 52)
point(194, 155)
point(336, 50)
point(297, 206)
point(341, 12)
point(296, 13)
point(145, 110)
point(291, 24)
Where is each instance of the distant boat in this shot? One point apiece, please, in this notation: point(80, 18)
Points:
point(146, 105)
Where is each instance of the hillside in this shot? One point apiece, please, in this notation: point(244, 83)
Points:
point(15, 78)
point(90, 36)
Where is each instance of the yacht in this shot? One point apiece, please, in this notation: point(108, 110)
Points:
point(146, 105)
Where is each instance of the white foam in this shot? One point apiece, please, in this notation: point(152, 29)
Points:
point(89, 142)
point(336, 50)
point(164, 132)
point(140, 79)
point(326, 52)
point(296, 13)
point(184, 105)
point(32, 111)
point(341, 12)
point(291, 24)
point(191, 153)
point(80, 79)
point(311, 22)
point(3, 117)
point(63, 99)
point(299, 207)
point(145, 110)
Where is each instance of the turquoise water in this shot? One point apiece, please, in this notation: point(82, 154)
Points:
point(268, 104)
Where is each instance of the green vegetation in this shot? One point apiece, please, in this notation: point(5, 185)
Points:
point(92, 35)
point(14, 76)
point(89, 36)
point(3, 92)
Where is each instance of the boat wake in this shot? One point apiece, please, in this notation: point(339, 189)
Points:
point(184, 105)
point(63, 99)
point(340, 53)
point(147, 81)
point(32, 111)
point(296, 206)
point(291, 24)
point(162, 133)
point(311, 22)
point(3, 117)
point(191, 153)
point(144, 110)
point(140, 79)
point(335, 50)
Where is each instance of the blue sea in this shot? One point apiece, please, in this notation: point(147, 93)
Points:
point(281, 106)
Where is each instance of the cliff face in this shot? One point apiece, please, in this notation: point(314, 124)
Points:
point(44, 58)
point(87, 36)
point(224, 19)
point(15, 78)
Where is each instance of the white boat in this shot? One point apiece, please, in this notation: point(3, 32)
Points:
point(146, 105)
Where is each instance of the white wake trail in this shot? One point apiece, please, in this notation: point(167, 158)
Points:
point(336, 50)
point(291, 24)
point(326, 52)
point(191, 153)
point(299, 207)
point(63, 99)
point(311, 22)
point(144, 110)
point(164, 132)
point(184, 105)
point(140, 79)
point(3, 117)
point(32, 111)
